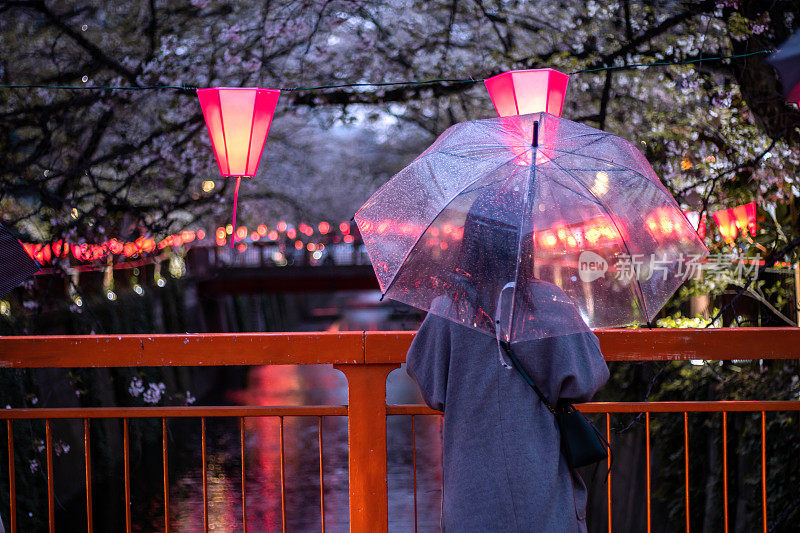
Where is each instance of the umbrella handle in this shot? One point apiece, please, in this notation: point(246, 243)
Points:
point(498, 326)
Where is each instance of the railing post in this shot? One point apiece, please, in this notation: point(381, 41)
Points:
point(366, 424)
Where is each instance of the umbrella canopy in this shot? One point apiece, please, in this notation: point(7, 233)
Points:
point(572, 216)
point(15, 264)
point(787, 62)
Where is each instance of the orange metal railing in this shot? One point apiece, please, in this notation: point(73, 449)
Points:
point(366, 359)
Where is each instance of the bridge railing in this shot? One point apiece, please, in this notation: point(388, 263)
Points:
point(366, 359)
point(273, 254)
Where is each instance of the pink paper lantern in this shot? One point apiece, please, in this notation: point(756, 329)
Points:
point(726, 224)
point(520, 92)
point(736, 220)
point(238, 120)
point(745, 216)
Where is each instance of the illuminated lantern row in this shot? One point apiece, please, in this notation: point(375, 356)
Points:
point(324, 228)
point(238, 121)
point(389, 226)
point(737, 219)
point(436, 237)
point(84, 252)
point(596, 232)
point(561, 236)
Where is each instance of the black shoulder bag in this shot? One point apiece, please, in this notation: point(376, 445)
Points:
point(582, 443)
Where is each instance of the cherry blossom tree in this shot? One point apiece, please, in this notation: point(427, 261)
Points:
point(87, 164)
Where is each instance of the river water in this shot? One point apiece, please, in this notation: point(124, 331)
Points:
point(302, 385)
point(296, 386)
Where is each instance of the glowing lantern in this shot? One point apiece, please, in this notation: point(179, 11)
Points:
point(60, 248)
point(238, 121)
point(115, 246)
point(129, 249)
point(221, 234)
point(305, 229)
point(745, 216)
point(727, 226)
point(737, 219)
point(520, 92)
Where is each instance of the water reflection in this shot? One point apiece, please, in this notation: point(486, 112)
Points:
point(298, 385)
point(303, 385)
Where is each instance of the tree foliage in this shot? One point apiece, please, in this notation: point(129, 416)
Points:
point(86, 164)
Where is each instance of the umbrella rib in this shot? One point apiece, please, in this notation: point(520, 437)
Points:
point(435, 182)
point(592, 200)
point(419, 159)
point(640, 293)
point(618, 165)
point(601, 135)
point(445, 206)
point(485, 147)
point(625, 169)
point(491, 124)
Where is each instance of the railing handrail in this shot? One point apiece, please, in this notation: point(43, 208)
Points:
point(364, 347)
point(188, 411)
point(710, 406)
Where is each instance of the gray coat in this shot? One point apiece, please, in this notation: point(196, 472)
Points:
point(502, 466)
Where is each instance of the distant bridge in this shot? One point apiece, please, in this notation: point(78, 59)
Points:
point(264, 268)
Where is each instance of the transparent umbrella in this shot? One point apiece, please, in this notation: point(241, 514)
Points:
point(15, 264)
point(571, 220)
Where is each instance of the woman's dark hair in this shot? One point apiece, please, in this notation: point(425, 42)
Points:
point(488, 253)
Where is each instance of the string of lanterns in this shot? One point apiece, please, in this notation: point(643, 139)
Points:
point(143, 249)
point(729, 222)
point(115, 254)
point(238, 118)
point(238, 121)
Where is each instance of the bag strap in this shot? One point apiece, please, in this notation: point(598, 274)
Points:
point(518, 366)
point(507, 347)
